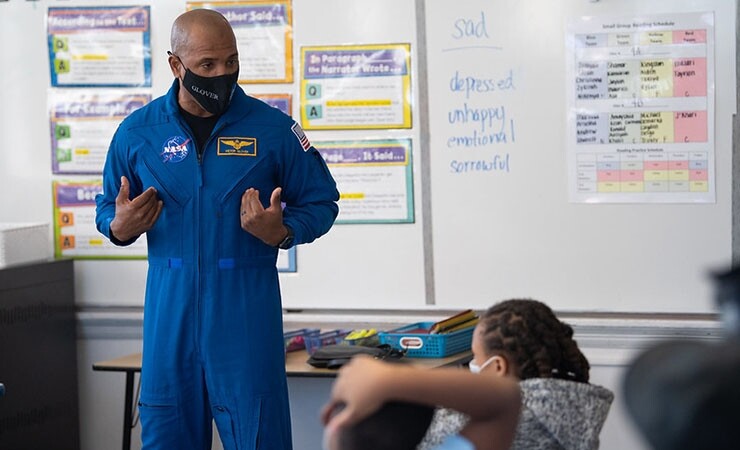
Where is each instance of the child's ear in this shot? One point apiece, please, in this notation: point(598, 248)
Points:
point(500, 366)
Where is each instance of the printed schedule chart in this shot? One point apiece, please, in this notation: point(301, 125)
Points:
point(631, 172)
point(641, 101)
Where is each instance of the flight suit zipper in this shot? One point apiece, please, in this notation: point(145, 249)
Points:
point(196, 232)
point(198, 208)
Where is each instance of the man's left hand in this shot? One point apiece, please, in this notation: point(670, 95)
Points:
point(264, 223)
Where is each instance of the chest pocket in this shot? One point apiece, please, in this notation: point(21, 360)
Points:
point(170, 190)
point(251, 174)
point(176, 216)
point(235, 243)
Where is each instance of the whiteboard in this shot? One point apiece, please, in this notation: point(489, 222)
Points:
point(474, 239)
point(512, 232)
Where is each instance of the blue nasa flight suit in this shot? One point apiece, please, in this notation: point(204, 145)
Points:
point(213, 338)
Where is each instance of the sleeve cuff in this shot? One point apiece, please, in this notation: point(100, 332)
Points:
point(114, 239)
point(455, 442)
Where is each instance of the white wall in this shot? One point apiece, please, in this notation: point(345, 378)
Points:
point(25, 166)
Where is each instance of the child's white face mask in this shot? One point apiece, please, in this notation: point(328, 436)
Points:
point(325, 441)
point(475, 368)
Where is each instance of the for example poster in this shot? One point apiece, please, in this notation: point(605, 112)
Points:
point(264, 37)
point(374, 178)
point(99, 46)
point(641, 109)
point(356, 87)
point(82, 125)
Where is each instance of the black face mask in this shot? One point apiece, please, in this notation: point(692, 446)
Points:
point(212, 93)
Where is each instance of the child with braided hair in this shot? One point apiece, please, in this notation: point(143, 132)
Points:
point(522, 338)
point(529, 368)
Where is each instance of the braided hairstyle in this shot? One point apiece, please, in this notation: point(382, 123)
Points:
point(530, 335)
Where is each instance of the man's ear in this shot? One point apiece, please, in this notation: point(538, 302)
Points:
point(175, 64)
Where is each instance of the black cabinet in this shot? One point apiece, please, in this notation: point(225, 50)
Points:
point(38, 357)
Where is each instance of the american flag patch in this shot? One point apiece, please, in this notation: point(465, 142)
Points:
point(298, 131)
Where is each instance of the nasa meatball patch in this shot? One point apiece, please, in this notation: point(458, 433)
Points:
point(175, 149)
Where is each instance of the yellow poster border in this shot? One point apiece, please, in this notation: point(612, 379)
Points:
point(406, 87)
point(288, 78)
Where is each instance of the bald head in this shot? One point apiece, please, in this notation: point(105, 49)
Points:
point(194, 24)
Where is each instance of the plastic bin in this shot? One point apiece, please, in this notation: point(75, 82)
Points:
point(422, 345)
point(296, 339)
point(314, 341)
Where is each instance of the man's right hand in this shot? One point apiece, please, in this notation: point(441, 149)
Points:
point(137, 216)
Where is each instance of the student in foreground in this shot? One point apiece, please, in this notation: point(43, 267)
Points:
point(684, 395)
point(523, 340)
point(519, 341)
point(378, 405)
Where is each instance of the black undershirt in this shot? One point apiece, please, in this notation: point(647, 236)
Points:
point(201, 128)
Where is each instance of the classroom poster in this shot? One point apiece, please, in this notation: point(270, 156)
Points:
point(264, 37)
point(374, 179)
point(99, 46)
point(356, 87)
point(75, 234)
point(283, 102)
point(286, 261)
point(641, 108)
point(82, 124)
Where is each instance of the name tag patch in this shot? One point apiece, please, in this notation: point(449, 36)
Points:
point(237, 146)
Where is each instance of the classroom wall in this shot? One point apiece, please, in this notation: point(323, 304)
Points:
point(350, 269)
point(514, 234)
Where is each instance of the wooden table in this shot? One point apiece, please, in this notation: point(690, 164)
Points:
point(295, 366)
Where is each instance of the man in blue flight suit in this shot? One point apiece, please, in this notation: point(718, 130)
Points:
point(194, 170)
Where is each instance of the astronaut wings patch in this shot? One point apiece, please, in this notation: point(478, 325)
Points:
point(301, 136)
